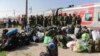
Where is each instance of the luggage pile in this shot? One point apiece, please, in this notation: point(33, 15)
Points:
point(87, 41)
point(12, 39)
point(38, 33)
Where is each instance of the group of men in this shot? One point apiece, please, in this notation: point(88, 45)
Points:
point(58, 20)
point(10, 23)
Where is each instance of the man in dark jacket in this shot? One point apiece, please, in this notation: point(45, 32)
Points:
point(78, 20)
point(66, 20)
point(45, 21)
point(69, 19)
point(31, 20)
point(9, 23)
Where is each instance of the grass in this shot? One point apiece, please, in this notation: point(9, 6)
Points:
point(3, 53)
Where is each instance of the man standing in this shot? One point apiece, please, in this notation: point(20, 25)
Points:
point(9, 23)
point(74, 18)
point(24, 22)
point(31, 20)
point(69, 19)
point(66, 20)
point(78, 21)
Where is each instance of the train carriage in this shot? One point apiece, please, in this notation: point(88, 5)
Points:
point(90, 14)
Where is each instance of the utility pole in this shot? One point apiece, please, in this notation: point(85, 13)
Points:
point(27, 12)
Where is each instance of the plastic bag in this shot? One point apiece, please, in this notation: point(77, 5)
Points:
point(71, 43)
point(96, 35)
point(76, 30)
point(40, 35)
point(80, 46)
point(85, 36)
point(47, 39)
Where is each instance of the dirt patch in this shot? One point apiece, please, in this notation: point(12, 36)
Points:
point(35, 49)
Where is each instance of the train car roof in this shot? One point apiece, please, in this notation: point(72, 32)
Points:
point(82, 7)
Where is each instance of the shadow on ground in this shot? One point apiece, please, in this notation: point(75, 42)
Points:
point(24, 47)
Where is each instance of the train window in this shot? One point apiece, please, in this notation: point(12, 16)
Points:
point(88, 17)
point(99, 16)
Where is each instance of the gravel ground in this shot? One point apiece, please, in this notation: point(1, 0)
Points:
point(35, 49)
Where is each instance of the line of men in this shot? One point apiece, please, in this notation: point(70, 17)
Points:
point(10, 23)
point(59, 20)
